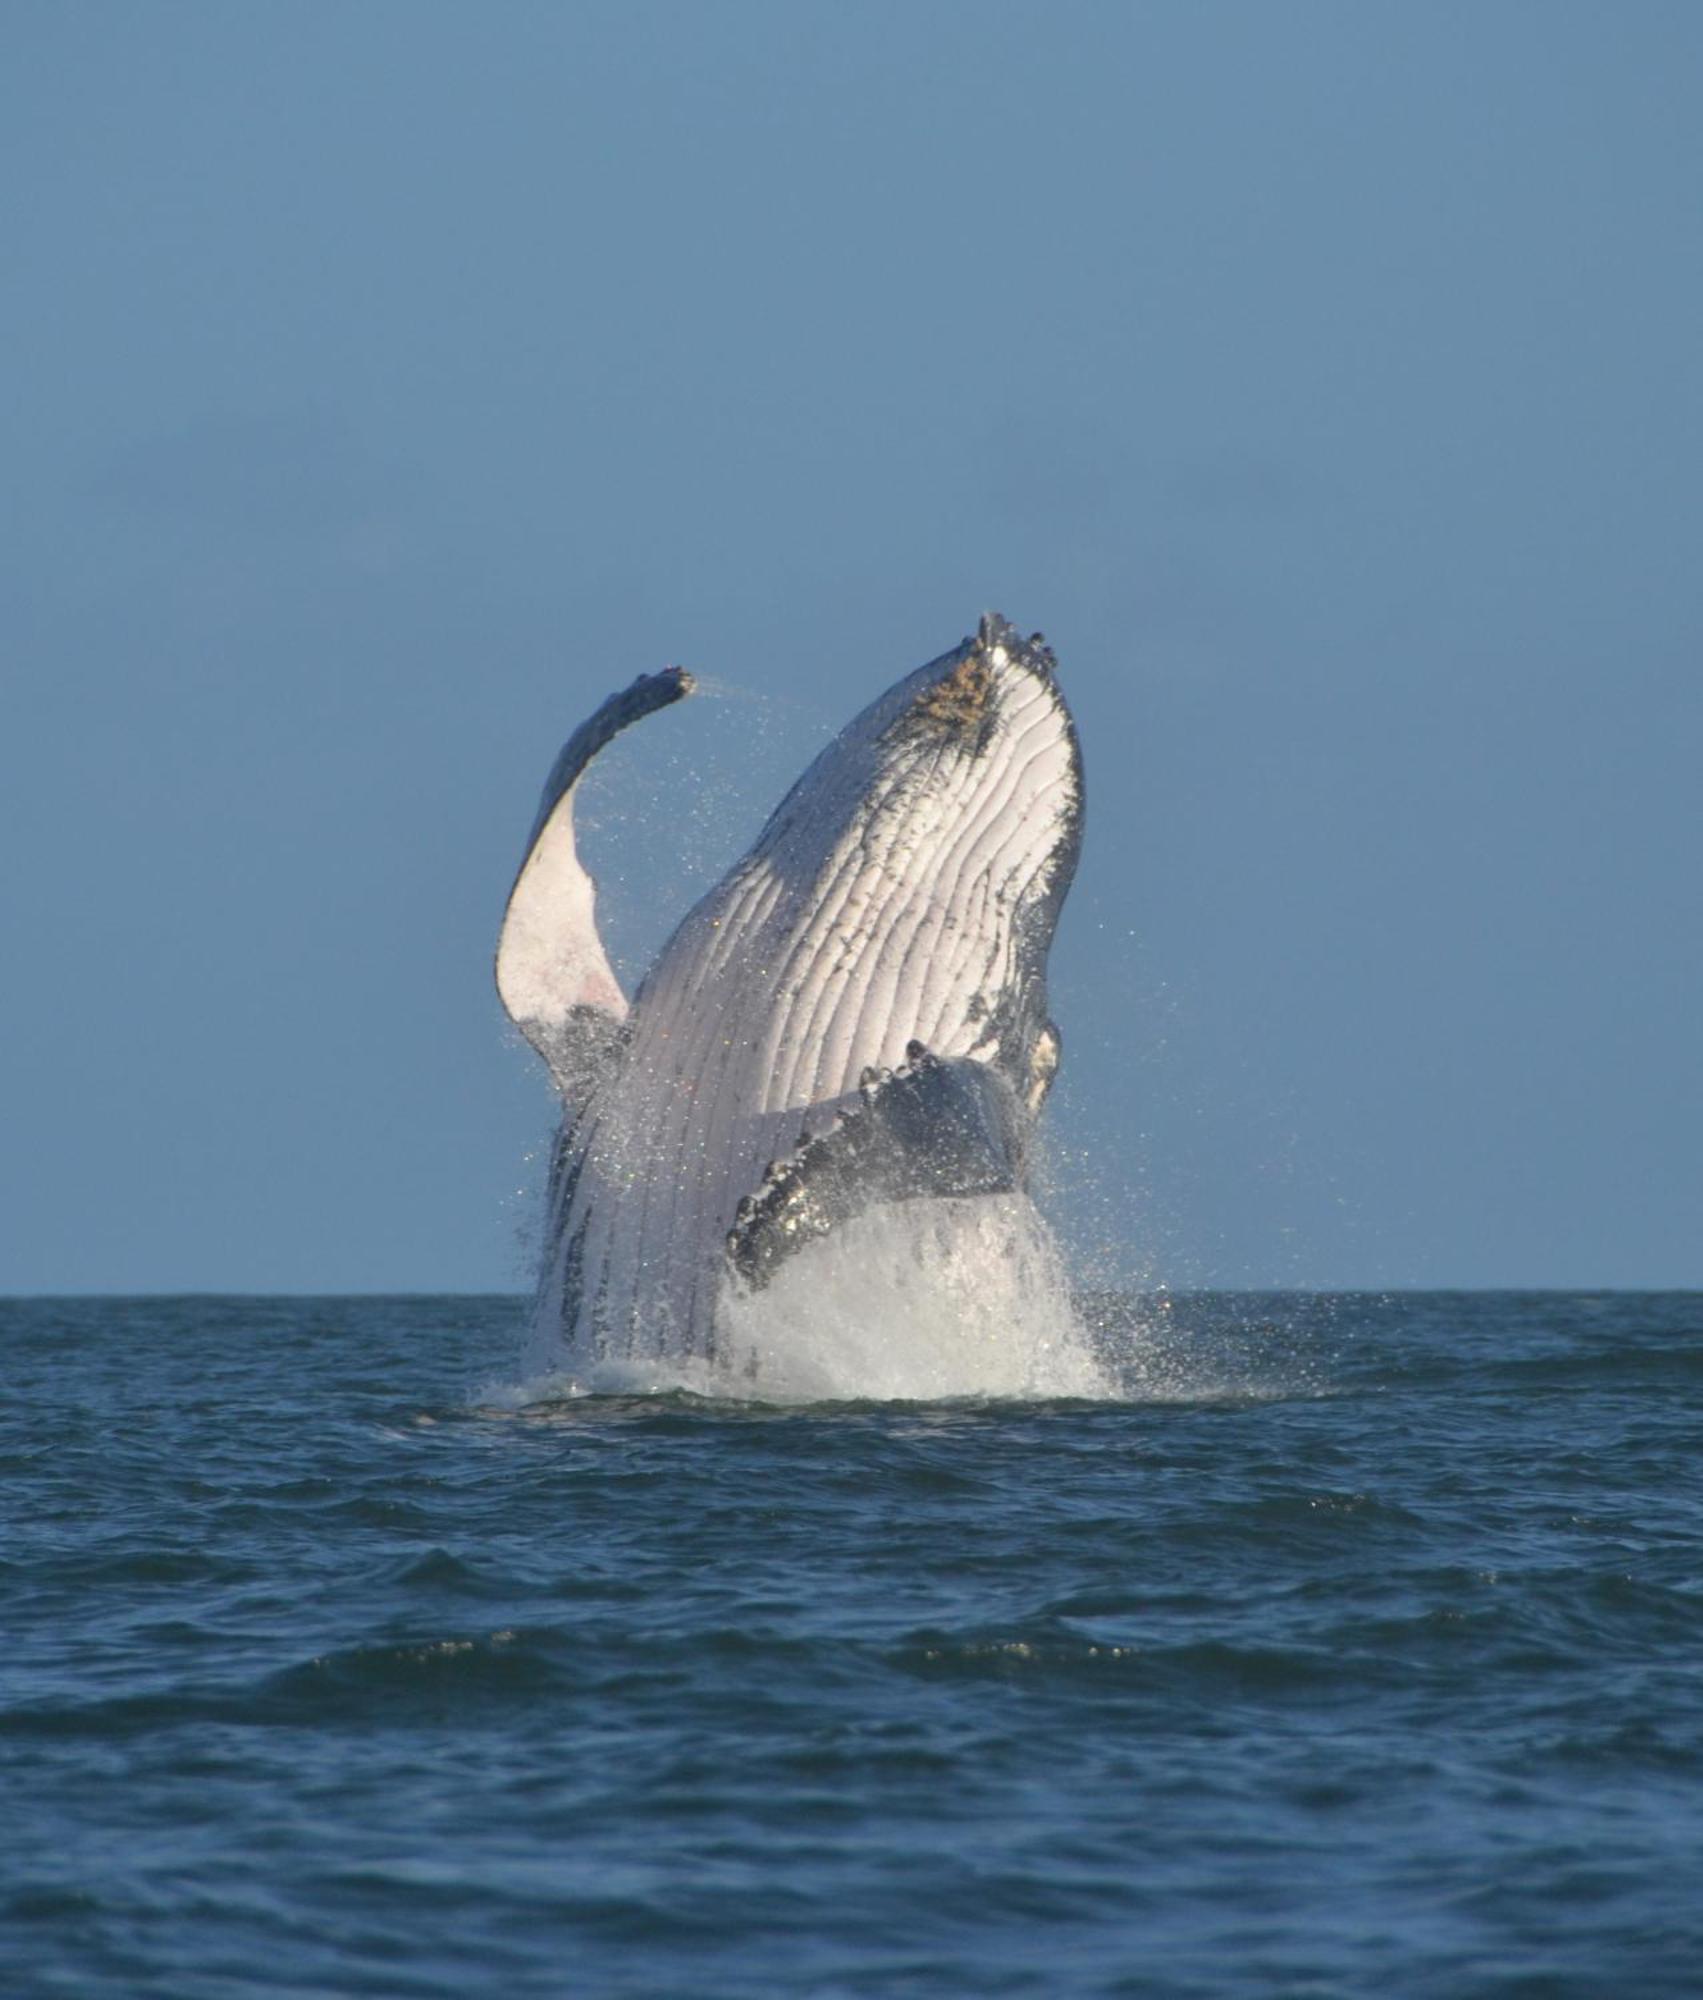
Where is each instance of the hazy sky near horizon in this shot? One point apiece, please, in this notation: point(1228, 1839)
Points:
point(387, 382)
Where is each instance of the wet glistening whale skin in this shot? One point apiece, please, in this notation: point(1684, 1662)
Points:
point(855, 1016)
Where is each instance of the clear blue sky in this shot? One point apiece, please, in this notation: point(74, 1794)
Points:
point(385, 382)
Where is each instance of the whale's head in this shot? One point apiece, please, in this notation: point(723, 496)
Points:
point(916, 871)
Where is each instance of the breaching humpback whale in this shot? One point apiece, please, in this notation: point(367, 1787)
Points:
point(855, 1016)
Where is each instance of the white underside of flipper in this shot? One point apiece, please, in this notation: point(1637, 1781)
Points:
point(553, 974)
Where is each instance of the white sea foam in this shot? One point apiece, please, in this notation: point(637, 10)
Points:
point(918, 1301)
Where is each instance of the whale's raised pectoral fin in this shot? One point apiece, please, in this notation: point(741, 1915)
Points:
point(930, 1129)
point(552, 971)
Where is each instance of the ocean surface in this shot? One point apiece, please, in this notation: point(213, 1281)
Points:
point(1356, 1649)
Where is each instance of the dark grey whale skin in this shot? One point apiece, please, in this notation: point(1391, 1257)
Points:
point(928, 1129)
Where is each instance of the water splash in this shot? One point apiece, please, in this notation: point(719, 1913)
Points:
point(925, 1300)
point(963, 1300)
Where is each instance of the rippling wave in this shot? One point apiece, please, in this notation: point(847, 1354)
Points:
point(1346, 1643)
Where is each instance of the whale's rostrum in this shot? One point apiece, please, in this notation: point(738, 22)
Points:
point(855, 1016)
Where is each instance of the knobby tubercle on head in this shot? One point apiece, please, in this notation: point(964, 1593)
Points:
point(962, 705)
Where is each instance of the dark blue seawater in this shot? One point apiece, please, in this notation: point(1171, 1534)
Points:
point(1370, 1662)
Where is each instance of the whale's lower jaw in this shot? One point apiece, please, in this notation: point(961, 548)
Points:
point(891, 922)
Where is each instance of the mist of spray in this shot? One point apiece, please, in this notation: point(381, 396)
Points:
point(925, 1301)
